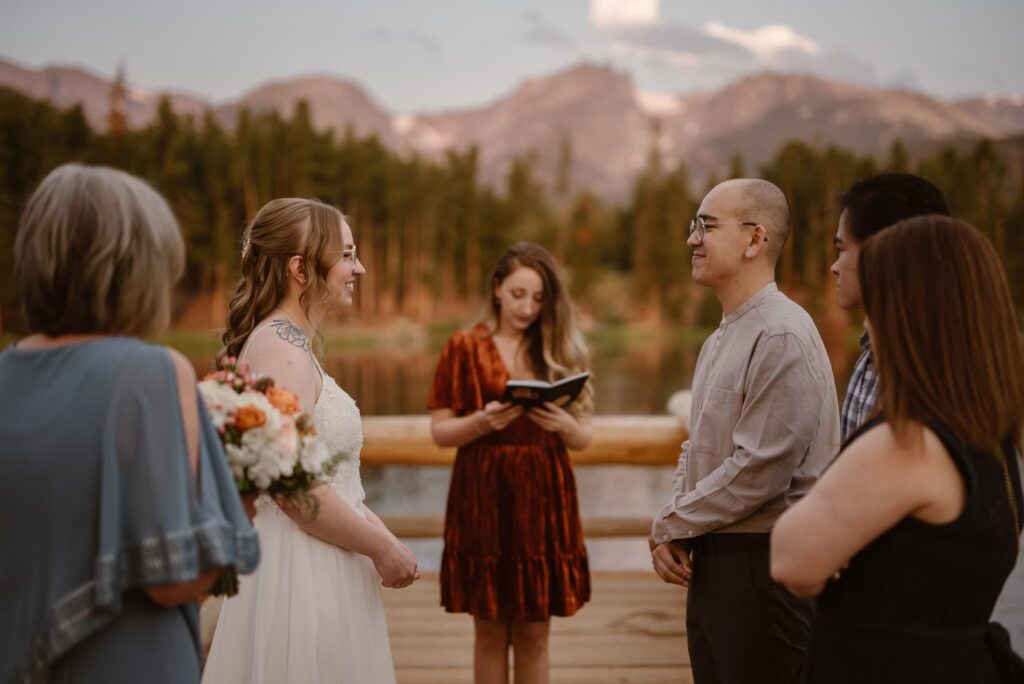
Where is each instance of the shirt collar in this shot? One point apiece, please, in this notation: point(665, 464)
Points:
point(755, 299)
point(865, 342)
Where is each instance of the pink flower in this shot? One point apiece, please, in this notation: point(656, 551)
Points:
point(287, 439)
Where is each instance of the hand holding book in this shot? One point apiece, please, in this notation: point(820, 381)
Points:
point(496, 416)
point(531, 393)
point(553, 418)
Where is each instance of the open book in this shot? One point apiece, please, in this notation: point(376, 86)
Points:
point(530, 393)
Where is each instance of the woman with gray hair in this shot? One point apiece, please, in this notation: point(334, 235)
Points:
point(117, 509)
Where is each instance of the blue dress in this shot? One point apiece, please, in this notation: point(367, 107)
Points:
point(97, 500)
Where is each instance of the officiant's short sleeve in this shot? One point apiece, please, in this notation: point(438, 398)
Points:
point(457, 380)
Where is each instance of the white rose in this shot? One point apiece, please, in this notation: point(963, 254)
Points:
point(260, 477)
point(267, 468)
point(239, 455)
point(285, 463)
point(314, 455)
point(220, 401)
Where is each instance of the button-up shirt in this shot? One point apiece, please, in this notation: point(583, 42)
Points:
point(764, 422)
point(862, 392)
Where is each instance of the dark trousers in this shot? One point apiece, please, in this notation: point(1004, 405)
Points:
point(741, 627)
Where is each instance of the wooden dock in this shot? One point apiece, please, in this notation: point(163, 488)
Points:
point(631, 631)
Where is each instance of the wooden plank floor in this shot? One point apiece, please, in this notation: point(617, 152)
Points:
point(631, 631)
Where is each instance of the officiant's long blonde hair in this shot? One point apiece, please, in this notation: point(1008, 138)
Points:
point(555, 345)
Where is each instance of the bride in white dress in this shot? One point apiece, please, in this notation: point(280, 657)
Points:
point(312, 612)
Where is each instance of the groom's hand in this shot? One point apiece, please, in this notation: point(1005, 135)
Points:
point(672, 563)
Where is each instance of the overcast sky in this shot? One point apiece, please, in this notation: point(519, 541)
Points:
point(415, 55)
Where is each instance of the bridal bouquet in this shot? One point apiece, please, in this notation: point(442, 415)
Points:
point(271, 446)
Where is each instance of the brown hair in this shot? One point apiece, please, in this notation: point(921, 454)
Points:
point(554, 343)
point(97, 251)
point(944, 331)
point(281, 229)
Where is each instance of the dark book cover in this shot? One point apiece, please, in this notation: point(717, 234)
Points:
point(530, 393)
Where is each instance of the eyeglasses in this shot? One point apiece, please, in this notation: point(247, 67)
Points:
point(700, 226)
point(349, 254)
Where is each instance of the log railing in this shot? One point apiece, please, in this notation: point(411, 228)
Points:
point(618, 440)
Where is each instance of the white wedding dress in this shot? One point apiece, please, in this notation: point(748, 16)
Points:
point(312, 612)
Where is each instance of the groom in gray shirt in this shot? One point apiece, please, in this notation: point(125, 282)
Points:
point(764, 424)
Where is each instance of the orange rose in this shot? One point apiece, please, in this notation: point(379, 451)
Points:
point(284, 401)
point(248, 417)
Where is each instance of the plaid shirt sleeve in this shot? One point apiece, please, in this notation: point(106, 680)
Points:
point(862, 393)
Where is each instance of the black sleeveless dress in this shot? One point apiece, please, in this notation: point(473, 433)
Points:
point(915, 603)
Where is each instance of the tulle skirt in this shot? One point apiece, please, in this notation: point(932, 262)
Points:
point(310, 613)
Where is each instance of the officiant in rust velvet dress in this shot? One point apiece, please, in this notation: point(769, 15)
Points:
point(514, 553)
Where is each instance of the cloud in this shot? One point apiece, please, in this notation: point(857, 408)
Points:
point(539, 31)
point(766, 41)
point(612, 14)
point(636, 32)
point(668, 37)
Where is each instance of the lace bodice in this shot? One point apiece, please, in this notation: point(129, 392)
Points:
point(338, 423)
point(278, 352)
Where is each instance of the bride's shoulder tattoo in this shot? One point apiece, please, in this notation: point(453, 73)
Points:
point(291, 334)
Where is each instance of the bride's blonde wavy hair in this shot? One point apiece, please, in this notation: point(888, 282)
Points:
point(555, 345)
point(281, 229)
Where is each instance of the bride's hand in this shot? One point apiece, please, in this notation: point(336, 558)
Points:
point(416, 575)
point(396, 565)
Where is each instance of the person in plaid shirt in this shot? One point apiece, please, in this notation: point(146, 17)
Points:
point(869, 206)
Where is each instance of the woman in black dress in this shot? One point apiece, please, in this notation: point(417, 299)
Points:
point(907, 539)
